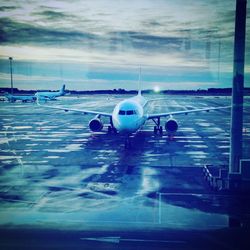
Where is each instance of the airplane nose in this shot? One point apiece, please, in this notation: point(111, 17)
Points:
point(124, 128)
point(124, 125)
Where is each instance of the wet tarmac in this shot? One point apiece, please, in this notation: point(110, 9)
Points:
point(56, 174)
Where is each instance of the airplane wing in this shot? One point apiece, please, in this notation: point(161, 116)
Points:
point(152, 116)
point(83, 111)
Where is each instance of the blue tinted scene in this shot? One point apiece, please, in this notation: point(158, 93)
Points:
point(124, 124)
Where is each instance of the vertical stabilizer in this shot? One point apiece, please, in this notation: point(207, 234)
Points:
point(62, 91)
point(139, 82)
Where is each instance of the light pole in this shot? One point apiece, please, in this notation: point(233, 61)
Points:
point(11, 79)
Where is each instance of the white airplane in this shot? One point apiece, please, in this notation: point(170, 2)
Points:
point(51, 95)
point(129, 116)
point(23, 98)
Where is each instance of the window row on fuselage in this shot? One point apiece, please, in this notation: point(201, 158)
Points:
point(127, 112)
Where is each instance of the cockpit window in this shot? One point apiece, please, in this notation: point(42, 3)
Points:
point(121, 112)
point(131, 112)
point(128, 112)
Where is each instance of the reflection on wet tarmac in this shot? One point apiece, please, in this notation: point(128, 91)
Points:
point(53, 169)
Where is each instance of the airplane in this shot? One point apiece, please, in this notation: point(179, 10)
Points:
point(51, 95)
point(128, 117)
point(23, 98)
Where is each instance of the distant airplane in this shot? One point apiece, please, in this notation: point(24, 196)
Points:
point(23, 98)
point(51, 95)
point(128, 117)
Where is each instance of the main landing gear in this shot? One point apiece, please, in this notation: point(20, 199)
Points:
point(158, 127)
point(111, 127)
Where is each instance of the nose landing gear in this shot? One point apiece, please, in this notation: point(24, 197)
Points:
point(111, 127)
point(158, 127)
point(127, 144)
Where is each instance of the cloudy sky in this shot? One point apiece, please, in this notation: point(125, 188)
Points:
point(100, 44)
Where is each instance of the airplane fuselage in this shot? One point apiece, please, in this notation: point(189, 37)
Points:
point(51, 95)
point(128, 116)
point(47, 95)
point(13, 98)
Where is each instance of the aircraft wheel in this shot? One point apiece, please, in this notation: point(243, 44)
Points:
point(109, 129)
point(155, 130)
point(112, 129)
point(160, 130)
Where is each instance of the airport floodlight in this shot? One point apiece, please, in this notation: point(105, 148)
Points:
point(11, 78)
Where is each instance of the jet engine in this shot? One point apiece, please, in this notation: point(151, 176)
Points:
point(96, 124)
point(171, 125)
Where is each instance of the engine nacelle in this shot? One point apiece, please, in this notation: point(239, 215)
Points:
point(171, 125)
point(96, 125)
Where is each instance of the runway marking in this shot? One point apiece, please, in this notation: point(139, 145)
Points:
point(18, 158)
point(20, 201)
point(112, 222)
point(118, 239)
point(37, 201)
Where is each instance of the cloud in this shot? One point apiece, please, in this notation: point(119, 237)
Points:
point(144, 42)
point(176, 36)
point(7, 8)
point(13, 32)
point(52, 15)
point(226, 16)
point(103, 26)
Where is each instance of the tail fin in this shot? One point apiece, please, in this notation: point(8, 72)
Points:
point(139, 82)
point(62, 91)
point(7, 95)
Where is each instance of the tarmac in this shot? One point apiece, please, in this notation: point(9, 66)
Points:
point(57, 176)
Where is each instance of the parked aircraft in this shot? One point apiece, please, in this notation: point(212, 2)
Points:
point(23, 98)
point(33, 98)
point(51, 95)
point(129, 116)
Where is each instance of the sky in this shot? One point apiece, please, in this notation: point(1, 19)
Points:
point(101, 44)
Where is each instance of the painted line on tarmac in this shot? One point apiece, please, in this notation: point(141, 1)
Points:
point(14, 151)
point(118, 239)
